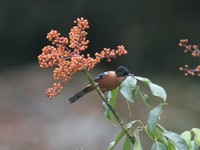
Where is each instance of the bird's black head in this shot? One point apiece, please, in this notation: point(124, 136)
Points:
point(122, 71)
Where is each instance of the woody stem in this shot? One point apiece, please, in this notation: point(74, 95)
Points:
point(118, 118)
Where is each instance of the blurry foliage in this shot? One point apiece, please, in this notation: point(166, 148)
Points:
point(149, 29)
point(161, 138)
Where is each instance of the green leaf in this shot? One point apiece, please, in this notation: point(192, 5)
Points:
point(161, 127)
point(127, 144)
point(158, 146)
point(170, 146)
point(127, 88)
point(154, 114)
point(152, 135)
point(196, 133)
point(194, 145)
point(156, 90)
point(117, 140)
point(112, 95)
point(156, 136)
point(137, 145)
point(145, 97)
point(186, 136)
point(178, 142)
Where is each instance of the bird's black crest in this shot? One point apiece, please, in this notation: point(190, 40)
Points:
point(122, 71)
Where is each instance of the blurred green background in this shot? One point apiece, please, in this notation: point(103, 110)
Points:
point(150, 31)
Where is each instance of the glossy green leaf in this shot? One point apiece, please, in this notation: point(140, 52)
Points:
point(178, 142)
point(196, 133)
point(170, 146)
point(156, 136)
point(154, 114)
point(112, 95)
point(187, 137)
point(158, 146)
point(161, 128)
point(137, 145)
point(152, 135)
point(127, 88)
point(145, 98)
point(156, 90)
point(194, 145)
point(127, 144)
point(117, 140)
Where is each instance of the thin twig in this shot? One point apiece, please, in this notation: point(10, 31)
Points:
point(118, 118)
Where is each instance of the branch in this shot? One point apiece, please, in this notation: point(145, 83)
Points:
point(118, 118)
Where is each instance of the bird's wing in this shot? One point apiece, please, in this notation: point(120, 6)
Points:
point(100, 76)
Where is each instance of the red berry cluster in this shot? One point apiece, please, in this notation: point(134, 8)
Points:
point(195, 52)
point(66, 55)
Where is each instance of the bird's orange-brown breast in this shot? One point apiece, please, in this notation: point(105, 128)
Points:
point(110, 81)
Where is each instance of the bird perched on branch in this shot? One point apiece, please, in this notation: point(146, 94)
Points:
point(107, 81)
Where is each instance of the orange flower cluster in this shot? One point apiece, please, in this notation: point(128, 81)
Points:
point(66, 55)
point(195, 52)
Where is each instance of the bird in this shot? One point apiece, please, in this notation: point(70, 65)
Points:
point(107, 81)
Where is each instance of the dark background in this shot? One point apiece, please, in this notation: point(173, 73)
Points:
point(150, 31)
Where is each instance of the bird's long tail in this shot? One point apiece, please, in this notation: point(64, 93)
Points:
point(79, 94)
